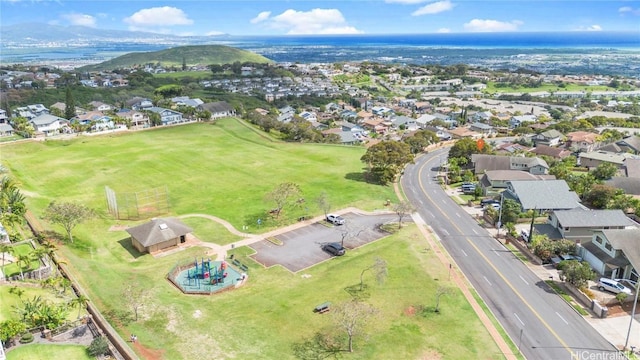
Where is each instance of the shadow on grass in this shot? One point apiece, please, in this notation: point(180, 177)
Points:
point(356, 176)
point(119, 317)
point(427, 311)
point(358, 292)
point(126, 244)
point(322, 345)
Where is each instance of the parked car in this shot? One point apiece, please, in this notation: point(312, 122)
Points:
point(335, 219)
point(524, 234)
point(485, 202)
point(468, 188)
point(493, 205)
point(613, 286)
point(334, 249)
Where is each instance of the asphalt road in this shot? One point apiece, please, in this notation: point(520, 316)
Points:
point(538, 321)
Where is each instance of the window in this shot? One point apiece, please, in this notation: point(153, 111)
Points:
point(598, 239)
point(608, 246)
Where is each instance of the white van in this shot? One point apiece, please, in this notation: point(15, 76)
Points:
point(613, 286)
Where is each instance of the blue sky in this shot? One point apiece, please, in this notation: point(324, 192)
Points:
point(281, 17)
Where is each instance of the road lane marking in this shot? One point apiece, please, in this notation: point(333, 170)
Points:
point(495, 269)
point(525, 281)
point(465, 254)
point(444, 232)
point(560, 316)
point(474, 231)
point(458, 215)
point(487, 280)
point(518, 317)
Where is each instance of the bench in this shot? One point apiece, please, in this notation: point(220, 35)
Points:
point(322, 308)
point(235, 262)
point(244, 267)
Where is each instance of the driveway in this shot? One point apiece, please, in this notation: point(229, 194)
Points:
point(302, 247)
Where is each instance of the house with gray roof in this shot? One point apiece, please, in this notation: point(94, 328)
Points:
point(48, 124)
point(167, 116)
point(593, 159)
point(482, 128)
point(554, 152)
point(579, 224)
point(613, 253)
point(219, 109)
point(550, 138)
point(483, 163)
point(542, 196)
point(630, 144)
point(158, 234)
point(518, 120)
point(494, 181)
point(6, 130)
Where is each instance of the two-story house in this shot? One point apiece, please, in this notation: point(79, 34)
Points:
point(582, 141)
point(613, 253)
point(167, 116)
point(48, 124)
point(579, 224)
point(550, 138)
point(542, 196)
point(220, 109)
point(484, 162)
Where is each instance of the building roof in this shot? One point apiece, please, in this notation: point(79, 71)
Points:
point(630, 185)
point(46, 119)
point(582, 136)
point(627, 240)
point(592, 218)
point(632, 167)
point(551, 134)
point(158, 230)
point(603, 156)
point(219, 107)
point(555, 152)
point(545, 195)
point(631, 142)
point(514, 175)
point(484, 162)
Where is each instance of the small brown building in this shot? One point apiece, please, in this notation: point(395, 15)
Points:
point(158, 234)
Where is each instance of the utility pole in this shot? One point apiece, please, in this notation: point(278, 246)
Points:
point(633, 314)
point(500, 213)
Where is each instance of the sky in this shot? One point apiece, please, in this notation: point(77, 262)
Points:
point(302, 17)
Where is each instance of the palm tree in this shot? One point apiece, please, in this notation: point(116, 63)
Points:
point(80, 302)
point(23, 260)
point(6, 249)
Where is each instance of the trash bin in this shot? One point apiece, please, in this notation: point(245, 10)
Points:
point(605, 312)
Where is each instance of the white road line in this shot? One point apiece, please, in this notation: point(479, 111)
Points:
point(487, 280)
point(525, 281)
point(517, 317)
point(474, 231)
point(458, 215)
point(565, 321)
point(465, 254)
point(497, 252)
point(444, 201)
point(444, 232)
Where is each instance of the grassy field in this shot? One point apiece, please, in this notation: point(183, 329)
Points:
point(10, 301)
point(491, 88)
point(39, 352)
point(225, 170)
point(200, 75)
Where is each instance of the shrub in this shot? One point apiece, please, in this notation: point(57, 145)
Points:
point(99, 346)
point(621, 297)
point(588, 292)
point(26, 338)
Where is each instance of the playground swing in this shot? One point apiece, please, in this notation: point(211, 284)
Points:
point(211, 275)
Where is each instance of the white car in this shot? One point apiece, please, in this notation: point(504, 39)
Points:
point(335, 219)
point(613, 286)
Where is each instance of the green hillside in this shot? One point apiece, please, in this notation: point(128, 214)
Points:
point(192, 55)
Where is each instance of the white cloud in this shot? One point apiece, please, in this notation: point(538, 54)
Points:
point(629, 10)
point(261, 17)
point(214, 33)
point(158, 16)
point(80, 19)
point(486, 25)
point(406, 2)
point(443, 30)
point(434, 8)
point(594, 27)
point(315, 21)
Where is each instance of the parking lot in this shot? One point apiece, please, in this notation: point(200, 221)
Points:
point(302, 248)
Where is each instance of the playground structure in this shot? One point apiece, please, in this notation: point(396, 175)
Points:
point(205, 276)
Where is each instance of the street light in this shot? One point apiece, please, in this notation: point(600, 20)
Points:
point(633, 314)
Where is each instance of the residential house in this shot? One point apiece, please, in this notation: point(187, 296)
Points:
point(137, 119)
point(38, 109)
point(593, 159)
point(48, 124)
point(219, 109)
point(550, 138)
point(100, 106)
point(167, 116)
point(533, 165)
point(158, 234)
point(309, 116)
point(613, 253)
point(424, 119)
point(482, 116)
point(139, 104)
point(554, 152)
point(405, 122)
point(186, 101)
point(6, 129)
point(286, 114)
point(464, 132)
point(482, 128)
point(518, 120)
point(542, 196)
point(4, 118)
point(579, 224)
point(494, 181)
point(440, 132)
point(510, 148)
point(582, 141)
point(630, 144)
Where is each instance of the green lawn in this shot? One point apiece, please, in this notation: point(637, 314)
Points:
point(9, 301)
point(210, 231)
point(11, 269)
point(54, 351)
point(225, 170)
point(491, 88)
point(184, 74)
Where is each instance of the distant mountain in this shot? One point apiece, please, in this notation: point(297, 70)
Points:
point(192, 55)
point(38, 33)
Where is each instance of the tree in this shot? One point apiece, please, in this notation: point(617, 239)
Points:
point(510, 211)
point(600, 196)
point(420, 140)
point(69, 105)
point(386, 159)
point(442, 291)
point(464, 148)
point(10, 329)
point(352, 317)
point(323, 203)
point(80, 302)
point(283, 194)
point(184, 63)
point(605, 171)
point(135, 298)
point(379, 266)
point(6, 249)
point(577, 273)
point(99, 346)
point(402, 209)
point(68, 215)
point(22, 260)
